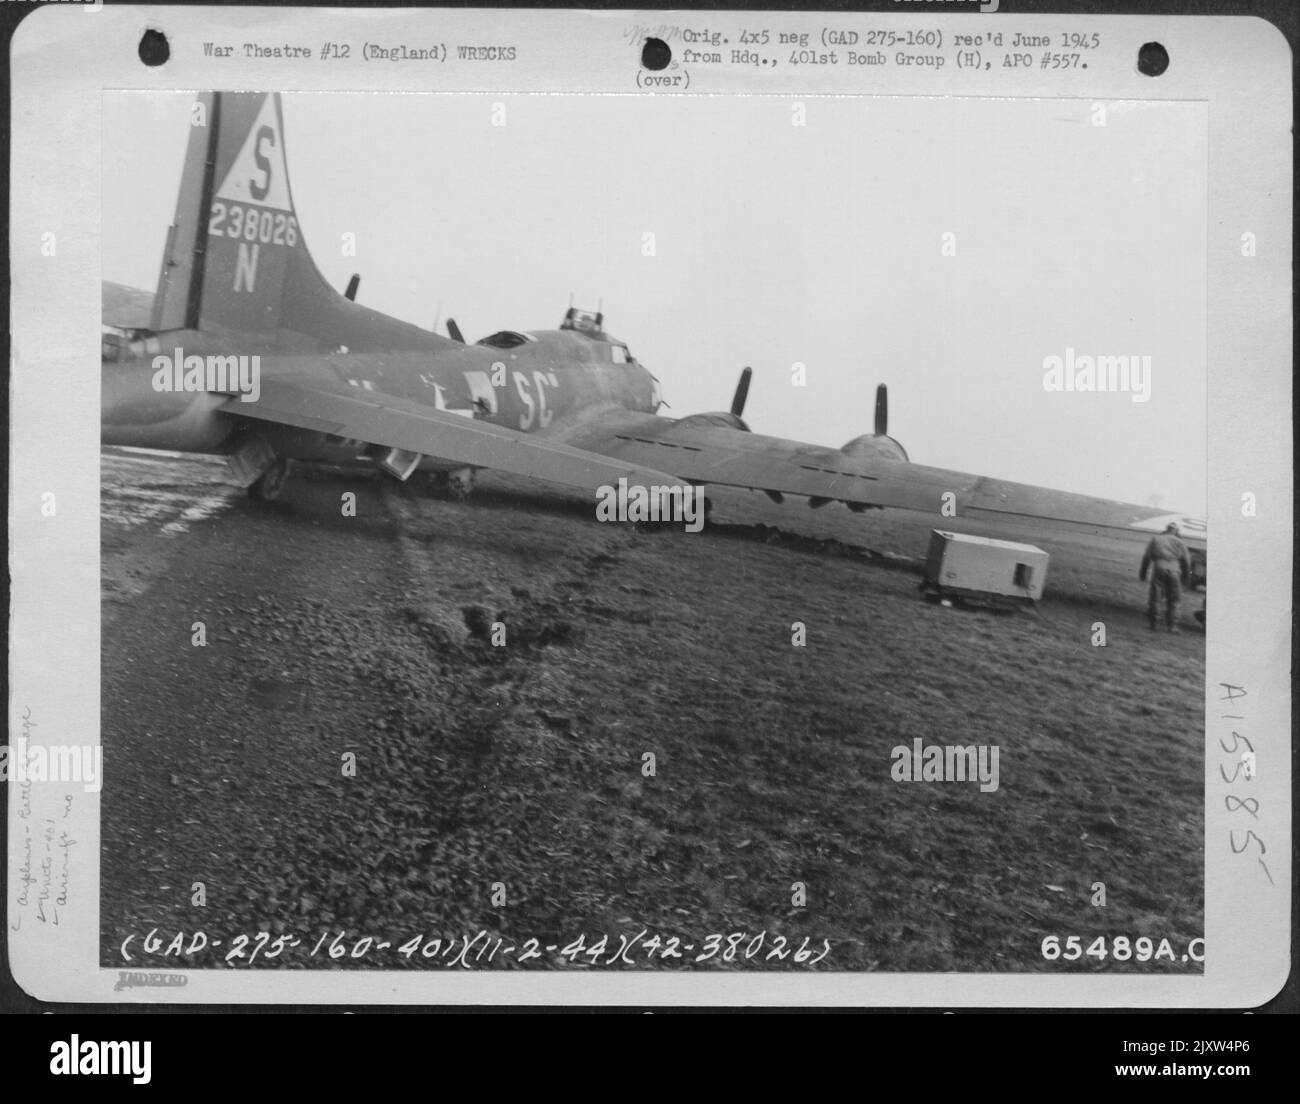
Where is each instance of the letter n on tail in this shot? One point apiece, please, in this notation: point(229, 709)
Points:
point(246, 267)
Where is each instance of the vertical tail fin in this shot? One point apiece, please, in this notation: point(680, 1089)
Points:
point(235, 259)
point(233, 250)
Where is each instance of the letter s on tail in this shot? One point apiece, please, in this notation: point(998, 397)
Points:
point(235, 259)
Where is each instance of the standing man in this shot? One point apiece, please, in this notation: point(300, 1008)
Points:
point(1170, 566)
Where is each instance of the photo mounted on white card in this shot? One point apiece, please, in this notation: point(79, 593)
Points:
point(605, 508)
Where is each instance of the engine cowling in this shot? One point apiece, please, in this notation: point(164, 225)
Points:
point(724, 419)
point(718, 418)
point(874, 447)
point(878, 445)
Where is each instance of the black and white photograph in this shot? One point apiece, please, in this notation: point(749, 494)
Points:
point(527, 632)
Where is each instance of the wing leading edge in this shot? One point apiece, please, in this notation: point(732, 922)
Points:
point(385, 420)
point(730, 457)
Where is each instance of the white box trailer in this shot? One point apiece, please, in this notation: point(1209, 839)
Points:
point(979, 569)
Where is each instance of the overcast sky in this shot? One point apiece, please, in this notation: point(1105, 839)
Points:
point(775, 244)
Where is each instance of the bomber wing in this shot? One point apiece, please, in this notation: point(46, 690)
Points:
point(312, 403)
point(125, 307)
point(726, 456)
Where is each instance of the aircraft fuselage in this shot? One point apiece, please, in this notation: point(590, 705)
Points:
point(547, 378)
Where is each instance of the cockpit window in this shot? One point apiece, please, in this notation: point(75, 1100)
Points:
point(620, 354)
point(505, 339)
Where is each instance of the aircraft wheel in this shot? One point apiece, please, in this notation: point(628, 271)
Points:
point(269, 486)
point(460, 483)
point(454, 485)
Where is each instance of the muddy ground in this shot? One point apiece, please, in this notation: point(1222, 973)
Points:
point(349, 751)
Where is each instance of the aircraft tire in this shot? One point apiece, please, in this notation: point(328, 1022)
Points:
point(460, 484)
point(269, 486)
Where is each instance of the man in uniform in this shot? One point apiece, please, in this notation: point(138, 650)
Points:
point(1170, 566)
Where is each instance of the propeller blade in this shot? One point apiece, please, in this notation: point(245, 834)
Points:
point(454, 331)
point(353, 284)
point(742, 393)
point(882, 411)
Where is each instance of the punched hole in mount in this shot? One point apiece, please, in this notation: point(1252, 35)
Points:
point(1153, 59)
point(656, 54)
point(153, 47)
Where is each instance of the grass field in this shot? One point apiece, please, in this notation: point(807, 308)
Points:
point(521, 770)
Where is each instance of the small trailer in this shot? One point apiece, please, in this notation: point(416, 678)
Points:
point(982, 571)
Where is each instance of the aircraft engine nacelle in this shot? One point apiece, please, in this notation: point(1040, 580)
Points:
point(718, 418)
point(723, 419)
point(874, 446)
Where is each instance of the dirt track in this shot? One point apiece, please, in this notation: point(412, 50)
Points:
point(519, 769)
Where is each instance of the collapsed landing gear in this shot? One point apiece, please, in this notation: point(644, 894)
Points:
point(269, 486)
